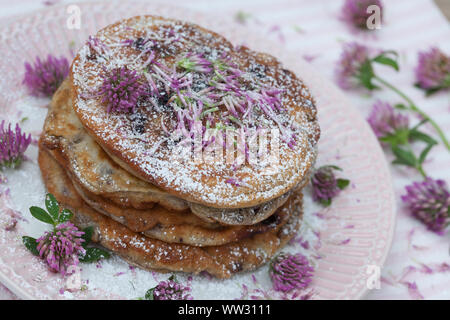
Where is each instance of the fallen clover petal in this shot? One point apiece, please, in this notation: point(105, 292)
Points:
point(45, 76)
point(121, 89)
point(433, 70)
point(169, 290)
point(413, 290)
point(325, 185)
point(61, 247)
point(13, 144)
point(384, 120)
point(289, 272)
point(429, 201)
point(354, 12)
point(349, 67)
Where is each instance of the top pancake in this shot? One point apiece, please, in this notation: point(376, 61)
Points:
point(139, 141)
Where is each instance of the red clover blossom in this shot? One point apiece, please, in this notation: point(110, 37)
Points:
point(289, 272)
point(348, 70)
point(96, 47)
point(354, 12)
point(384, 120)
point(44, 77)
point(433, 70)
point(169, 290)
point(13, 144)
point(121, 90)
point(61, 247)
point(429, 201)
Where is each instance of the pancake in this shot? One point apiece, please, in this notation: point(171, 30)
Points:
point(175, 226)
point(92, 170)
point(141, 141)
point(182, 227)
point(219, 261)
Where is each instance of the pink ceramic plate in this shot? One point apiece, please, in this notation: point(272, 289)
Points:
point(355, 233)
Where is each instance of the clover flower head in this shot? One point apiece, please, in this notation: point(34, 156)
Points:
point(171, 290)
point(60, 248)
point(196, 63)
point(348, 68)
point(121, 89)
point(433, 69)
point(13, 144)
point(429, 201)
point(325, 185)
point(384, 120)
point(45, 76)
point(354, 12)
point(289, 272)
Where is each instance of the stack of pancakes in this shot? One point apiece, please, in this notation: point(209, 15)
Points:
point(116, 172)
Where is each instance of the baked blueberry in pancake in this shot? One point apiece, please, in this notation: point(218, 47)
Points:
point(147, 87)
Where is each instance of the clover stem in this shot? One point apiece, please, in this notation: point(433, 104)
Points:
point(414, 108)
point(422, 172)
point(418, 165)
